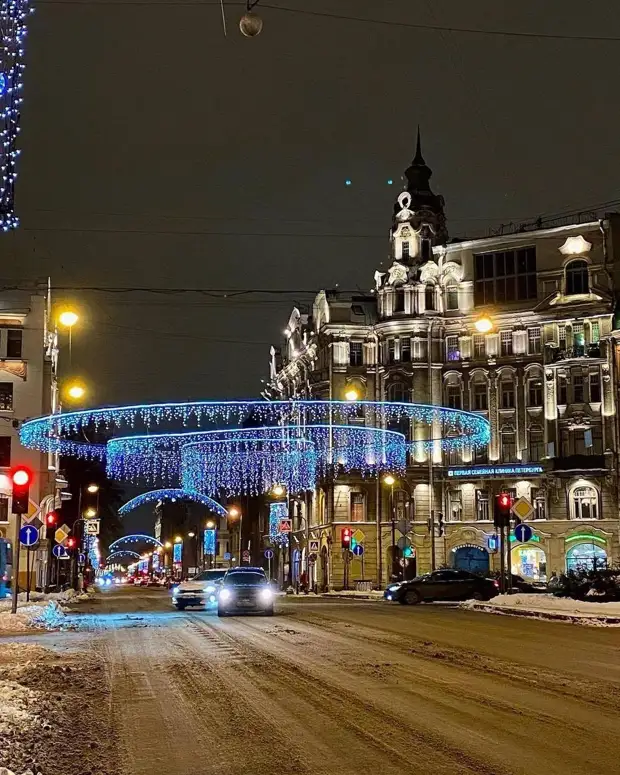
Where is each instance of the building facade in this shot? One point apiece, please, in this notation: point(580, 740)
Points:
point(28, 388)
point(517, 327)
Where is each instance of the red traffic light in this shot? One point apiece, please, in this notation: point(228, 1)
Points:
point(345, 537)
point(21, 476)
point(504, 500)
point(71, 542)
point(51, 518)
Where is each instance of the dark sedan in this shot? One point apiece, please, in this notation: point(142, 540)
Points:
point(442, 585)
point(245, 591)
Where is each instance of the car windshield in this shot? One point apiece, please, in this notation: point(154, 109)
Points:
point(242, 579)
point(210, 575)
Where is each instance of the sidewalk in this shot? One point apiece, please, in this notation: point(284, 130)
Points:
point(543, 606)
point(375, 594)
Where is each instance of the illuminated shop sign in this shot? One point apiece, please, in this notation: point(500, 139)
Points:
point(476, 471)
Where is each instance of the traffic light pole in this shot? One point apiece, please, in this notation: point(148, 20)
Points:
point(16, 553)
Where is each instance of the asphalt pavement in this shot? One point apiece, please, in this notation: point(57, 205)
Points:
point(337, 687)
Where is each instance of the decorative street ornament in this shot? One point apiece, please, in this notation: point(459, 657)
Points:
point(575, 246)
point(251, 24)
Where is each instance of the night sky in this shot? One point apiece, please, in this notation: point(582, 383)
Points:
point(157, 152)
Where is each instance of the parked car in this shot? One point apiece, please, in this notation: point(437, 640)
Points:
point(245, 590)
point(442, 585)
point(201, 590)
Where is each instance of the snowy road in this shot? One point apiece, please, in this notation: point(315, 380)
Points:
point(333, 687)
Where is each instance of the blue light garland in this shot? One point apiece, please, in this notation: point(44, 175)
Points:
point(135, 538)
point(13, 15)
point(120, 553)
point(153, 496)
point(277, 511)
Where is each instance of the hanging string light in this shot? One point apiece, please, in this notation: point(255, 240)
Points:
point(153, 496)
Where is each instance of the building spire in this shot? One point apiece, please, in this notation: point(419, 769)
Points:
point(418, 158)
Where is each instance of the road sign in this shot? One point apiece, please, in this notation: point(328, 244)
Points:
point(227, 555)
point(34, 521)
point(313, 546)
point(523, 533)
point(522, 508)
point(92, 527)
point(245, 557)
point(403, 526)
point(403, 542)
point(359, 550)
point(60, 552)
point(269, 554)
point(60, 535)
point(285, 526)
point(82, 558)
point(28, 535)
point(359, 536)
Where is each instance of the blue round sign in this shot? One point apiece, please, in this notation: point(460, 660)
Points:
point(269, 554)
point(28, 535)
point(523, 532)
point(358, 550)
point(60, 552)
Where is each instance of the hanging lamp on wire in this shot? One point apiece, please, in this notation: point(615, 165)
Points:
point(250, 23)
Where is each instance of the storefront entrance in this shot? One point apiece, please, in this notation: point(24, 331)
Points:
point(586, 557)
point(471, 558)
point(529, 562)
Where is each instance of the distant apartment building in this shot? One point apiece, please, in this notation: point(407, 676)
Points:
point(518, 328)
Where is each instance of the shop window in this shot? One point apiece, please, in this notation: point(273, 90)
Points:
point(452, 348)
point(479, 346)
point(535, 392)
point(358, 507)
point(529, 562)
point(595, 387)
point(584, 503)
point(452, 297)
point(586, 557)
point(6, 396)
point(14, 343)
point(481, 400)
point(453, 396)
point(536, 444)
point(455, 505)
point(507, 392)
point(356, 353)
point(577, 388)
point(483, 511)
point(539, 502)
point(534, 340)
point(577, 278)
point(4, 508)
point(405, 350)
point(505, 342)
point(399, 300)
point(5, 451)
point(508, 446)
point(429, 297)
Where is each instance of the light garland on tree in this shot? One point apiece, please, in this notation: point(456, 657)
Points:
point(153, 496)
point(13, 16)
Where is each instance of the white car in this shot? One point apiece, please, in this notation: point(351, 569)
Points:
point(201, 590)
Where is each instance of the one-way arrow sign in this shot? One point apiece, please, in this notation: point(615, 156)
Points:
point(28, 535)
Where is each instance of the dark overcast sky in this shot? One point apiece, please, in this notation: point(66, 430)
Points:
point(145, 118)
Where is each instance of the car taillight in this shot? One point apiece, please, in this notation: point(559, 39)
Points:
point(496, 583)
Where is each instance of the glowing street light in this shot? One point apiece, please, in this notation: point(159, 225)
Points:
point(351, 394)
point(389, 480)
point(484, 324)
point(93, 488)
point(168, 545)
point(210, 524)
point(233, 512)
point(191, 535)
point(68, 318)
point(90, 513)
point(178, 540)
point(277, 490)
point(76, 391)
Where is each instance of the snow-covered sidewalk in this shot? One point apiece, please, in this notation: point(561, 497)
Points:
point(42, 612)
point(373, 594)
point(550, 607)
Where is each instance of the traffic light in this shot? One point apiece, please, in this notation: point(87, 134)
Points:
point(20, 477)
point(51, 521)
point(440, 523)
point(501, 511)
point(345, 537)
point(71, 543)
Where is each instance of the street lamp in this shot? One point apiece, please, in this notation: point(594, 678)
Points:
point(484, 324)
point(93, 488)
point(90, 513)
point(68, 318)
point(277, 490)
point(76, 391)
point(178, 540)
point(191, 535)
point(351, 394)
point(210, 525)
point(235, 513)
point(391, 481)
point(168, 545)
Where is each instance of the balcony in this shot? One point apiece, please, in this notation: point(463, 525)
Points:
point(578, 351)
point(579, 463)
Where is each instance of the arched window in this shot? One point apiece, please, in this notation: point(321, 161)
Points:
point(536, 443)
point(577, 278)
point(429, 298)
point(397, 392)
point(584, 503)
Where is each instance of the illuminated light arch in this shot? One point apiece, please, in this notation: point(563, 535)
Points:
point(120, 553)
point(135, 538)
point(171, 494)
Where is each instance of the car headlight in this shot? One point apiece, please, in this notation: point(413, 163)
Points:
point(394, 588)
point(266, 595)
point(225, 595)
point(210, 588)
point(175, 591)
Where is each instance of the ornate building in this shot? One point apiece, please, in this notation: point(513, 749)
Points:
point(516, 327)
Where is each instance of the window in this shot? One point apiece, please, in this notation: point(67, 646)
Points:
point(4, 508)
point(405, 350)
point(577, 278)
point(595, 387)
point(481, 402)
point(426, 249)
point(505, 276)
point(399, 300)
point(453, 396)
point(453, 456)
point(391, 350)
point(507, 392)
point(481, 456)
point(508, 446)
point(585, 503)
point(479, 346)
point(534, 392)
point(356, 354)
point(429, 297)
point(397, 392)
point(6, 396)
point(561, 389)
point(534, 340)
point(539, 502)
point(405, 249)
point(562, 337)
point(577, 388)
point(578, 339)
point(455, 505)
point(595, 332)
point(358, 506)
point(452, 297)
point(5, 451)
point(452, 348)
point(536, 444)
point(505, 342)
point(14, 343)
point(482, 505)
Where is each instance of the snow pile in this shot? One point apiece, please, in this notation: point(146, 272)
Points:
point(48, 617)
point(14, 702)
point(549, 606)
point(4, 771)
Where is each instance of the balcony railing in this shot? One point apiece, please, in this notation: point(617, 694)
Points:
point(579, 351)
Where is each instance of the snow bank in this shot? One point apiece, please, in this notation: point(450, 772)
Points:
point(14, 702)
point(4, 771)
point(550, 607)
point(47, 617)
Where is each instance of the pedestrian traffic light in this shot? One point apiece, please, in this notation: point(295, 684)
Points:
point(345, 537)
point(20, 477)
point(501, 512)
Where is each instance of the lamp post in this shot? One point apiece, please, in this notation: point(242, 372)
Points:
point(211, 526)
point(390, 481)
point(68, 318)
point(235, 513)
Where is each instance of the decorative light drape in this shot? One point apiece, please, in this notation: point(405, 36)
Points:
point(134, 538)
point(153, 496)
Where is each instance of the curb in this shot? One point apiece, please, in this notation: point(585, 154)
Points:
point(361, 596)
point(531, 613)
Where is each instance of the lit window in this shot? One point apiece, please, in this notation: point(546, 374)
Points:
point(482, 505)
point(534, 340)
point(535, 392)
point(577, 278)
point(505, 339)
point(507, 390)
point(453, 396)
point(584, 503)
point(358, 503)
point(452, 348)
point(539, 502)
point(6, 396)
point(595, 332)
